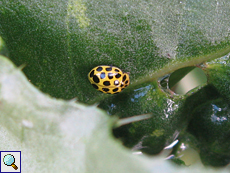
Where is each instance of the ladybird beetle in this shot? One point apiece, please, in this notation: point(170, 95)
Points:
point(108, 79)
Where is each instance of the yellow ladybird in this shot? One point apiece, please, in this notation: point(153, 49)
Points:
point(108, 79)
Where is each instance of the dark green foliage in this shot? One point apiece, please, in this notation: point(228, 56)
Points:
point(59, 42)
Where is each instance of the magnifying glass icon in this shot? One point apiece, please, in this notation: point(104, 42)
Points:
point(9, 160)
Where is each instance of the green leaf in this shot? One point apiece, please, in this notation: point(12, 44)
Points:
point(218, 73)
point(154, 133)
point(3, 49)
point(60, 42)
point(55, 135)
point(64, 136)
point(211, 125)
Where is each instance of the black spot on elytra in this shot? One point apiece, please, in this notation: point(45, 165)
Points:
point(126, 86)
point(110, 75)
point(102, 75)
point(126, 82)
point(95, 86)
point(115, 90)
point(118, 75)
point(116, 70)
point(99, 68)
point(105, 89)
point(122, 85)
point(116, 82)
point(124, 78)
point(96, 79)
point(108, 69)
point(106, 83)
point(91, 73)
